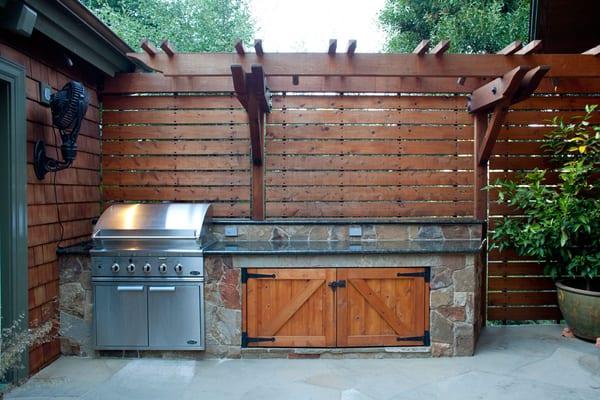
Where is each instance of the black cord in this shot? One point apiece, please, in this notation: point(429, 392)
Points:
point(62, 228)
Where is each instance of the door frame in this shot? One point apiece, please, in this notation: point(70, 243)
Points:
point(13, 203)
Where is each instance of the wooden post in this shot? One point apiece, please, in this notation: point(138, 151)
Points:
point(480, 179)
point(258, 177)
point(480, 206)
point(495, 97)
point(253, 93)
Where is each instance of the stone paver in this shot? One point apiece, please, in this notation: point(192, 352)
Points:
point(521, 362)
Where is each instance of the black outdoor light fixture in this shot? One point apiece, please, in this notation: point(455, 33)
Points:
point(68, 107)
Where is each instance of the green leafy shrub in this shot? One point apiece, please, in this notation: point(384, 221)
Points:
point(560, 224)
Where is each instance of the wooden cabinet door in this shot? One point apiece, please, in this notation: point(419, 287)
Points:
point(382, 307)
point(289, 308)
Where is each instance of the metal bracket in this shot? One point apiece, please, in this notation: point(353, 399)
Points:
point(425, 274)
point(337, 284)
point(247, 340)
point(426, 339)
point(246, 275)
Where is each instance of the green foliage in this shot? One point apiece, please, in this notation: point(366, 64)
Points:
point(560, 225)
point(190, 25)
point(472, 26)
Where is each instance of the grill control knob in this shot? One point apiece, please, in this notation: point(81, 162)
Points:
point(131, 268)
point(115, 268)
point(179, 268)
point(147, 268)
point(162, 268)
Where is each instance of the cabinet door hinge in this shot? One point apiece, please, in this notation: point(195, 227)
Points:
point(247, 340)
point(425, 274)
point(247, 275)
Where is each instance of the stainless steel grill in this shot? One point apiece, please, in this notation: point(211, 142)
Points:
point(148, 276)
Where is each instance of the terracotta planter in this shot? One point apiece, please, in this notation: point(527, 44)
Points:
point(580, 307)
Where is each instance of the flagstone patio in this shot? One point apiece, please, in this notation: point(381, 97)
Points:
point(533, 361)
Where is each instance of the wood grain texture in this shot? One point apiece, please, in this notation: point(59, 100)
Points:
point(415, 65)
point(296, 308)
point(379, 308)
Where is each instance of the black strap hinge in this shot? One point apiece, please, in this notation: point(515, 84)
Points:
point(247, 340)
point(425, 274)
point(246, 275)
point(426, 339)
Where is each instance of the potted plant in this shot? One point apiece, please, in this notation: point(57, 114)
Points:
point(559, 222)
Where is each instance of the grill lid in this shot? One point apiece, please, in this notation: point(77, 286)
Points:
point(153, 221)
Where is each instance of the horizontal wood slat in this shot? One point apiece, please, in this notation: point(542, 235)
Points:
point(175, 117)
point(389, 193)
point(369, 132)
point(369, 147)
point(368, 178)
point(370, 116)
point(353, 162)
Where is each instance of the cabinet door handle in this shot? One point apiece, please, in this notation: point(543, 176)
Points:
point(130, 288)
point(162, 288)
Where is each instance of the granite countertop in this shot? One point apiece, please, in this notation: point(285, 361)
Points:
point(321, 247)
point(332, 247)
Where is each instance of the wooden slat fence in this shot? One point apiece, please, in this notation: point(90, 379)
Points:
point(360, 155)
point(177, 147)
point(335, 146)
point(517, 289)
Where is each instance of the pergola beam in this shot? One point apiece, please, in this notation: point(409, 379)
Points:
point(148, 47)
point(422, 47)
point(370, 65)
point(529, 48)
point(496, 91)
point(166, 46)
point(351, 47)
point(440, 48)
point(239, 48)
point(497, 96)
point(258, 47)
point(511, 48)
point(529, 83)
point(332, 47)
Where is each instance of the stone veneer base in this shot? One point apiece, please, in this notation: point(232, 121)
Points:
point(455, 293)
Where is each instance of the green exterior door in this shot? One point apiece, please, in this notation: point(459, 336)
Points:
point(13, 202)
